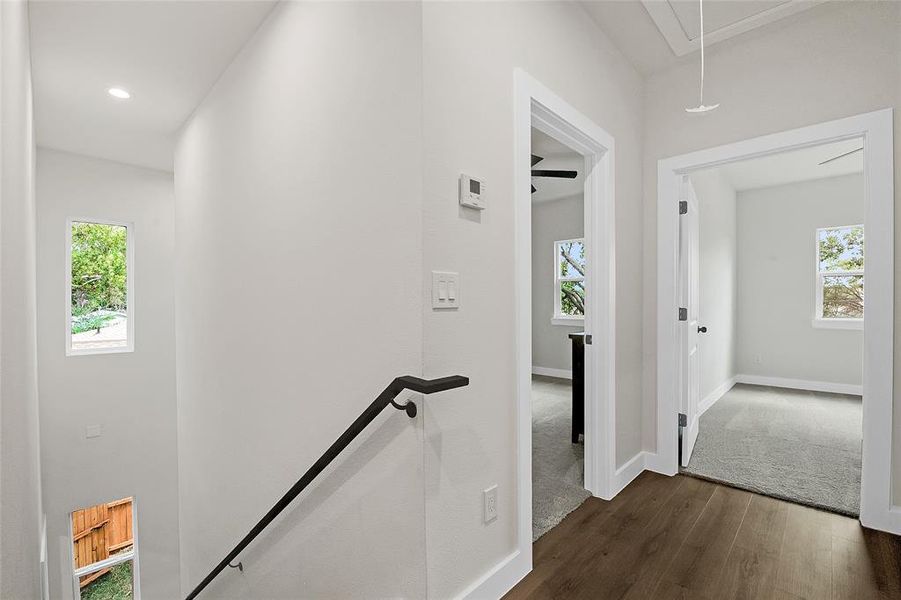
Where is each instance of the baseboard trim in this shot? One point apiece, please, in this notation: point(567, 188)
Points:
point(652, 463)
point(801, 384)
point(549, 372)
point(887, 520)
point(500, 579)
point(629, 471)
point(711, 398)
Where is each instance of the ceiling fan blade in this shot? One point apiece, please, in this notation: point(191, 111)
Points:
point(536, 160)
point(829, 160)
point(558, 174)
point(534, 189)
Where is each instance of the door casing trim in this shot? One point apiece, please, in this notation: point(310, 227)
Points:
point(875, 128)
point(536, 105)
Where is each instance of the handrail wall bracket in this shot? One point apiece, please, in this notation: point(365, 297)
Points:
point(409, 408)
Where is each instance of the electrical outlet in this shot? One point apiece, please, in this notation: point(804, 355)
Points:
point(489, 497)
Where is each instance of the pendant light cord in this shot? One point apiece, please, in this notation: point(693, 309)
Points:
point(701, 107)
point(701, 10)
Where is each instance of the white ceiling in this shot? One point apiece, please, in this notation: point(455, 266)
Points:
point(795, 166)
point(632, 30)
point(717, 15)
point(654, 34)
point(556, 156)
point(167, 54)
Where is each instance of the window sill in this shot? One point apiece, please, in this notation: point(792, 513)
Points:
point(100, 350)
point(569, 321)
point(857, 324)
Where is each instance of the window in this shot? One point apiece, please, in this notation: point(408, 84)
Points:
point(104, 551)
point(99, 288)
point(569, 282)
point(840, 277)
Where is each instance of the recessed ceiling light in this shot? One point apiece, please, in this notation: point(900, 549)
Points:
point(118, 93)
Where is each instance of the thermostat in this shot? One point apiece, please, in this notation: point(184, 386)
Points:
point(471, 192)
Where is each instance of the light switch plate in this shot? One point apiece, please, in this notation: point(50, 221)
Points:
point(93, 431)
point(445, 289)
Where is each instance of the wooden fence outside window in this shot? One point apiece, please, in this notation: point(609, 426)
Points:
point(99, 532)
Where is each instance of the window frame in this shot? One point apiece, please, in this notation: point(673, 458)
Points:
point(819, 321)
point(130, 555)
point(558, 318)
point(129, 287)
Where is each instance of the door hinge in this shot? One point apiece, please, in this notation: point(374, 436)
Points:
point(683, 420)
point(587, 339)
point(683, 207)
point(683, 314)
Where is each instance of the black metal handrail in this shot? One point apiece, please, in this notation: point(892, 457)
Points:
point(407, 382)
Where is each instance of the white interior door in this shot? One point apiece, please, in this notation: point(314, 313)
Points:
point(689, 277)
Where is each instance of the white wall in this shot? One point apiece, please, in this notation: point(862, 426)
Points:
point(835, 60)
point(562, 219)
point(776, 249)
point(262, 196)
point(131, 395)
point(299, 228)
point(470, 52)
point(719, 280)
point(20, 492)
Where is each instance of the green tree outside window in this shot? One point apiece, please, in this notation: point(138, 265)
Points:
point(840, 254)
point(570, 278)
point(99, 274)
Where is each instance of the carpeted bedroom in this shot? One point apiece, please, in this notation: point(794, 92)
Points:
point(558, 464)
point(777, 374)
point(791, 444)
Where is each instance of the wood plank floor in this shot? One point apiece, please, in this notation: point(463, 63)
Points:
point(684, 538)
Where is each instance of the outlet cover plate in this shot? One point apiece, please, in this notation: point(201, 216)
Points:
point(489, 497)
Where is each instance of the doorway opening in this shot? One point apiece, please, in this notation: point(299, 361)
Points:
point(559, 280)
point(772, 274)
point(834, 279)
point(535, 106)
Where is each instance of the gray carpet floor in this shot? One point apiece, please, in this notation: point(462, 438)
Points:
point(791, 444)
point(558, 465)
